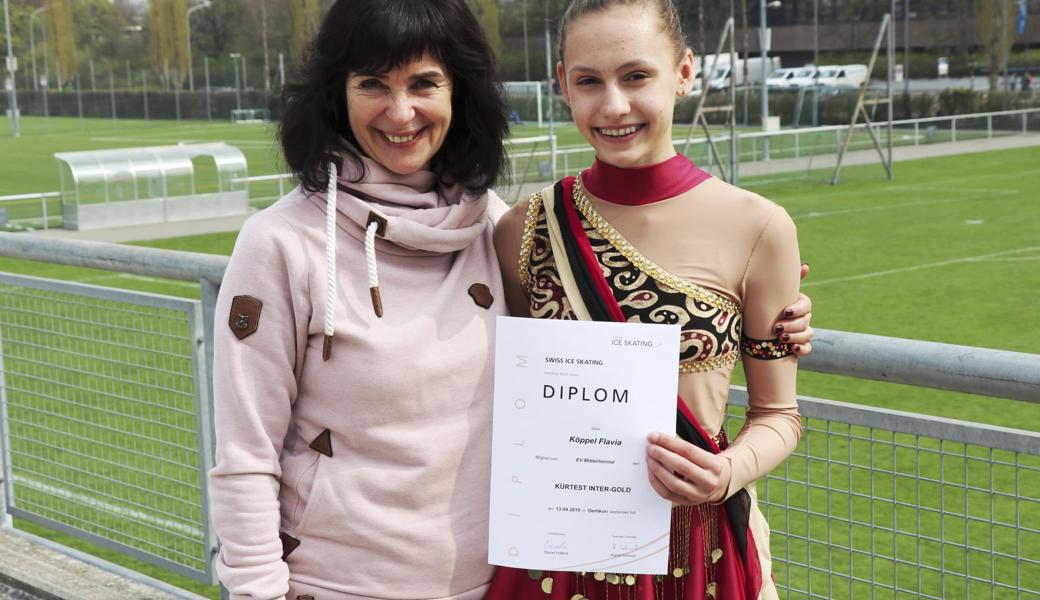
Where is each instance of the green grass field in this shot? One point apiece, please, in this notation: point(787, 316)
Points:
point(32, 155)
point(948, 251)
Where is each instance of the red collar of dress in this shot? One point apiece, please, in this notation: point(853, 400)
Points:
point(642, 185)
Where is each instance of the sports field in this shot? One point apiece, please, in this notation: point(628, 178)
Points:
point(949, 251)
point(32, 155)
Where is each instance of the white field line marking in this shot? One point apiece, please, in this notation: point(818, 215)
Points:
point(944, 263)
point(915, 187)
point(159, 130)
point(969, 190)
point(178, 139)
point(132, 276)
point(801, 176)
point(843, 211)
point(1014, 259)
point(94, 502)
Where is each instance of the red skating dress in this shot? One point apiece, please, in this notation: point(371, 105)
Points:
point(574, 264)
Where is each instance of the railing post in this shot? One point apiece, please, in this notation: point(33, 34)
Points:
point(6, 491)
point(209, 292)
point(953, 129)
point(796, 152)
point(1024, 121)
point(989, 126)
point(43, 209)
point(552, 154)
point(917, 133)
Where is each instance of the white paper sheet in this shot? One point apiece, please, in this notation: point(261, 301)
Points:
point(574, 402)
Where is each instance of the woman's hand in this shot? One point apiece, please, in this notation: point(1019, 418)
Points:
point(682, 472)
point(793, 326)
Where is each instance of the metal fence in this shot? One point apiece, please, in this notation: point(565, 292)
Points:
point(870, 506)
point(100, 388)
point(104, 418)
point(535, 161)
point(803, 149)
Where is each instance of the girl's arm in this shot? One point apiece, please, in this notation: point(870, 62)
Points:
point(508, 237)
point(686, 474)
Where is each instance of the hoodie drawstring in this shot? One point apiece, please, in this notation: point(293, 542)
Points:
point(330, 263)
point(370, 259)
point(376, 224)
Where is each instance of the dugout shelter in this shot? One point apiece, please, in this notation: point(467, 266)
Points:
point(144, 186)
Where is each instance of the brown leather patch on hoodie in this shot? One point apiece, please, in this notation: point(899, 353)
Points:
point(481, 295)
point(245, 316)
point(289, 543)
point(323, 443)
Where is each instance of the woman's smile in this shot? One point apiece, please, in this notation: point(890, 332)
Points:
point(400, 117)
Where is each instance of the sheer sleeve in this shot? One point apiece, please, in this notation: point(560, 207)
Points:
point(773, 426)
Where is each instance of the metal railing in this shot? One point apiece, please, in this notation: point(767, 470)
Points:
point(810, 142)
point(104, 415)
point(26, 203)
point(873, 502)
point(537, 165)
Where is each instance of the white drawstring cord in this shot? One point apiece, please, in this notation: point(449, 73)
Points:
point(373, 274)
point(330, 262)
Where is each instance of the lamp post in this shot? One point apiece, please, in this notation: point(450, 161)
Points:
point(816, 61)
point(234, 56)
point(12, 67)
point(32, 44)
point(764, 47)
point(906, 51)
point(187, 18)
point(527, 55)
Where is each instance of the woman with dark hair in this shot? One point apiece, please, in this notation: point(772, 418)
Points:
point(353, 426)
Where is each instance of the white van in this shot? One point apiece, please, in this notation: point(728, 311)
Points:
point(842, 76)
point(780, 79)
point(720, 78)
point(805, 77)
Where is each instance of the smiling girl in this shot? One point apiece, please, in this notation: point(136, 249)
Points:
point(645, 236)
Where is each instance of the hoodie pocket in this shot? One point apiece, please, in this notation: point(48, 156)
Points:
point(305, 488)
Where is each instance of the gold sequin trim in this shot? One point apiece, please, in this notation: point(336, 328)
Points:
point(696, 365)
point(643, 263)
point(765, 349)
point(527, 241)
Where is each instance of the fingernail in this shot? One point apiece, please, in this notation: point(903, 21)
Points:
point(788, 313)
point(805, 264)
point(779, 328)
point(785, 337)
point(652, 437)
point(796, 347)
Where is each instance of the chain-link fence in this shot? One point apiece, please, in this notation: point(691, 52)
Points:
point(878, 503)
point(106, 436)
point(105, 418)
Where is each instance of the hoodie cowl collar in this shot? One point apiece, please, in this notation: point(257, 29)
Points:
point(422, 215)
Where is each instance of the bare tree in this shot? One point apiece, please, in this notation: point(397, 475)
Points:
point(992, 20)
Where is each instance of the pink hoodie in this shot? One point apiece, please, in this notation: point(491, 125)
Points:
point(370, 470)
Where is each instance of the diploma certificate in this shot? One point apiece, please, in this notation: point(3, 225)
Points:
point(574, 402)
